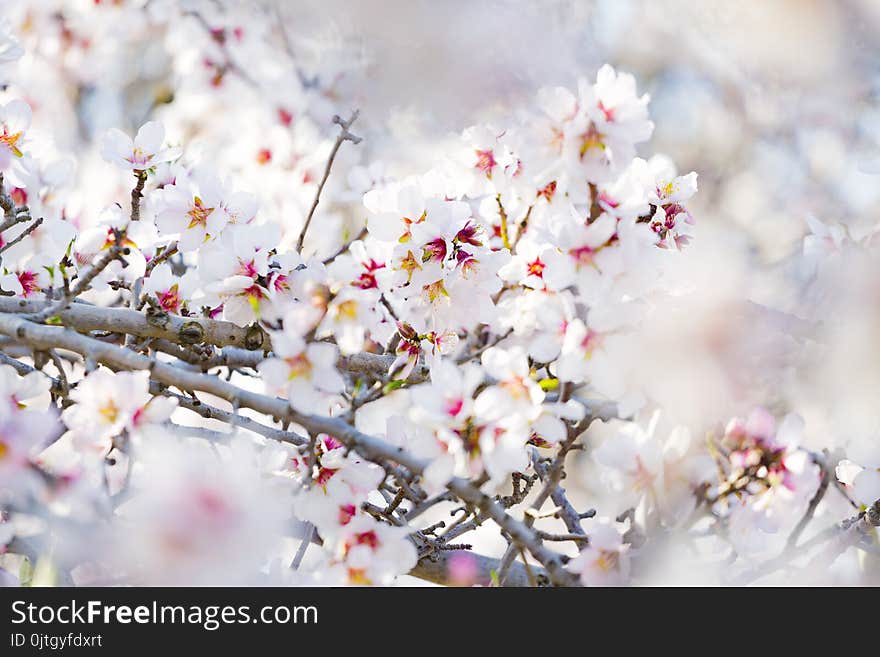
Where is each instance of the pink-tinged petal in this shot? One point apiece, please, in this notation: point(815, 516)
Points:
point(210, 189)
point(438, 473)
point(168, 155)
point(150, 137)
point(601, 230)
point(275, 373)
point(16, 116)
point(558, 103)
point(322, 355)
point(243, 206)
point(117, 148)
point(170, 221)
point(11, 283)
point(304, 398)
point(549, 428)
point(761, 424)
point(790, 431)
point(191, 239)
point(158, 409)
point(328, 380)
point(216, 221)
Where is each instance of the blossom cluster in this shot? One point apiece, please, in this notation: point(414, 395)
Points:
point(248, 350)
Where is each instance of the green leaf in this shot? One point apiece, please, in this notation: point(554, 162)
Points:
point(392, 385)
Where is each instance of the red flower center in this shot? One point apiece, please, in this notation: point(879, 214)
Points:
point(536, 268)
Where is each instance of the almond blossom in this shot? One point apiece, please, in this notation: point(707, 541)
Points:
point(193, 210)
point(605, 562)
point(15, 119)
point(108, 404)
point(141, 153)
point(304, 373)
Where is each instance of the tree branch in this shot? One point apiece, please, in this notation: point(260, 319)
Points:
point(371, 448)
point(175, 328)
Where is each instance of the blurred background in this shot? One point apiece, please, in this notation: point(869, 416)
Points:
point(775, 104)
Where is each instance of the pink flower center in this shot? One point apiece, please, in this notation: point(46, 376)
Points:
point(434, 250)
point(169, 299)
point(331, 443)
point(468, 235)
point(247, 268)
point(324, 475)
point(454, 406)
point(368, 538)
point(140, 159)
point(485, 162)
point(254, 293)
point(583, 255)
point(211, 503)
point(591, 340)
point(367, 279)
point(346, 513)
point(606, 200)
point(280, 283)
point(28, 282)
point(608, 112)
point(285, 117)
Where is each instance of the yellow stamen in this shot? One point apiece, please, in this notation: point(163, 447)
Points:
point(607, 561)
point(110, 412)
point(435, 290)
point(358, 576)
point(409, 264)
point(199, 213)
point(347, 310)
point(10, 140)
point(299, 366)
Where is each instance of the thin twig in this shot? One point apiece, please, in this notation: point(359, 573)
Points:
point(27, 231)
point(344, 135)
point(169, 251)
point(345, 247)
point(814, 502)
point(82, 284)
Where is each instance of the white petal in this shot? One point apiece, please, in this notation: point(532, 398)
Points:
point(150, 137)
